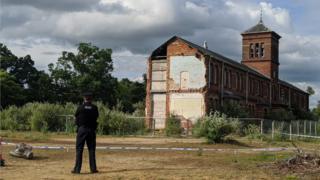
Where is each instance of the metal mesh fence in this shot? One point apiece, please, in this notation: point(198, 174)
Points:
point(285, 129)
point(274, 128)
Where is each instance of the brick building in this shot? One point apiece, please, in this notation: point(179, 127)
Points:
point(190, 80)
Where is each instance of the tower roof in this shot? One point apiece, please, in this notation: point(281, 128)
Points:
point(260, 27)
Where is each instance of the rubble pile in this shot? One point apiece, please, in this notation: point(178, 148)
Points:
point(301, 162)
point(23, 151)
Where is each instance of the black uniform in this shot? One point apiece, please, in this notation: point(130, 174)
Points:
point(86, 121)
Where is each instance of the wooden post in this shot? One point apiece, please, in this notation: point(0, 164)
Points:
point(304, 127)
point(272, 134)
point(298, 127)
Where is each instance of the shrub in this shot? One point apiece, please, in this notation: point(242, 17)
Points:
point(215, 127)
point(234, 110)
point(139, 109)
point(9, 119)
point(117, 123)
point(47, 117)
point(281, 115)
point(173, 126)
point(44, 118)
point(253, 132)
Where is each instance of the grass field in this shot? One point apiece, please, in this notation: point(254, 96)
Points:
point(144, 164)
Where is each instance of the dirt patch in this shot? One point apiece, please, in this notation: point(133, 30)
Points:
point(57, 164)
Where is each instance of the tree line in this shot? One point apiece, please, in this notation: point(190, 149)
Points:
point(89, 69)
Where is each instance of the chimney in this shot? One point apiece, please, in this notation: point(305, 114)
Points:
point(205, 45)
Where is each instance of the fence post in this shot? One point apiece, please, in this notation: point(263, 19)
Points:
point(272, 134)
point(261, 126)
point(290, 127)
point(298, 127)
point(66, 124)
point(304, 127)
point(310, 126)
point(153, 126)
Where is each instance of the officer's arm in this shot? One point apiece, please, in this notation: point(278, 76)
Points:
point(96, 117)
point(77, 114)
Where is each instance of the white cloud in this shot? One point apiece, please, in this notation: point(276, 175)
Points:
point(133, 28)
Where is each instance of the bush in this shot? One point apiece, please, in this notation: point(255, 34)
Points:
point(14, 118)
point(253, 132)
point(281, 115)
point(215, 127)
point(173, 126)
point(45, 118)
point(115, 122)
point(234, 110)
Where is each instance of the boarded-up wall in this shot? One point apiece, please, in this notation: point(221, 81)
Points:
point(188, 105)
point(159, 110)
point(159, 72)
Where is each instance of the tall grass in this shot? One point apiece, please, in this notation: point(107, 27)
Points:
point(46, 117)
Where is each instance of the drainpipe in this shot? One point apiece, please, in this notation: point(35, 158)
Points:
point(210, 71)
point(247, 86)
point(222, 83)
point(270, 93)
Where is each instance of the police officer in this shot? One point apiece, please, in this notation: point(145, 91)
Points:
point(86, 121)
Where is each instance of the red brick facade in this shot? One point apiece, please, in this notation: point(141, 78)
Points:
point(254, 83)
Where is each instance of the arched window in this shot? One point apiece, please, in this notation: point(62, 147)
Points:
point(257, 48)
point(216, 72)
point(251, 54)
point(261, 50)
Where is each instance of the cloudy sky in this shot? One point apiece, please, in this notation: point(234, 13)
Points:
point(133, 28)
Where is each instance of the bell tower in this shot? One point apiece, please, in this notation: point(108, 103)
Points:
point(260, 50)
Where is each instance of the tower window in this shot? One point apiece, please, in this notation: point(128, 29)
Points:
point(256, 54)
point(261, 50)
point(251, 50)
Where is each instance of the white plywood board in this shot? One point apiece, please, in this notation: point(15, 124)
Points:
point(159, 110)
point(188, 105)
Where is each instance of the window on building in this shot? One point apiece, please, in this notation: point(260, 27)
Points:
point(230, 79)
point(251, 55)
point(261, 50)
point(225, 78)
point(216, 72)
point(212, 73)
point(256, 53)
point(237, 81)
point(258, 88)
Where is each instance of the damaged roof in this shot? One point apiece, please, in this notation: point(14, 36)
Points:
point(162, 50)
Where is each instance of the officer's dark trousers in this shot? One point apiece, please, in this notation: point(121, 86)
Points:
point(89, 136)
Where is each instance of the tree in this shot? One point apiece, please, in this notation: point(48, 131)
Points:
point(36, 85)
point(310, 90)
point(130, 93)
point(316, 111)
point(10, 91)
point(89, 69)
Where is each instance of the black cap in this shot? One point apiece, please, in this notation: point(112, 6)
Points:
point(87, 93)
